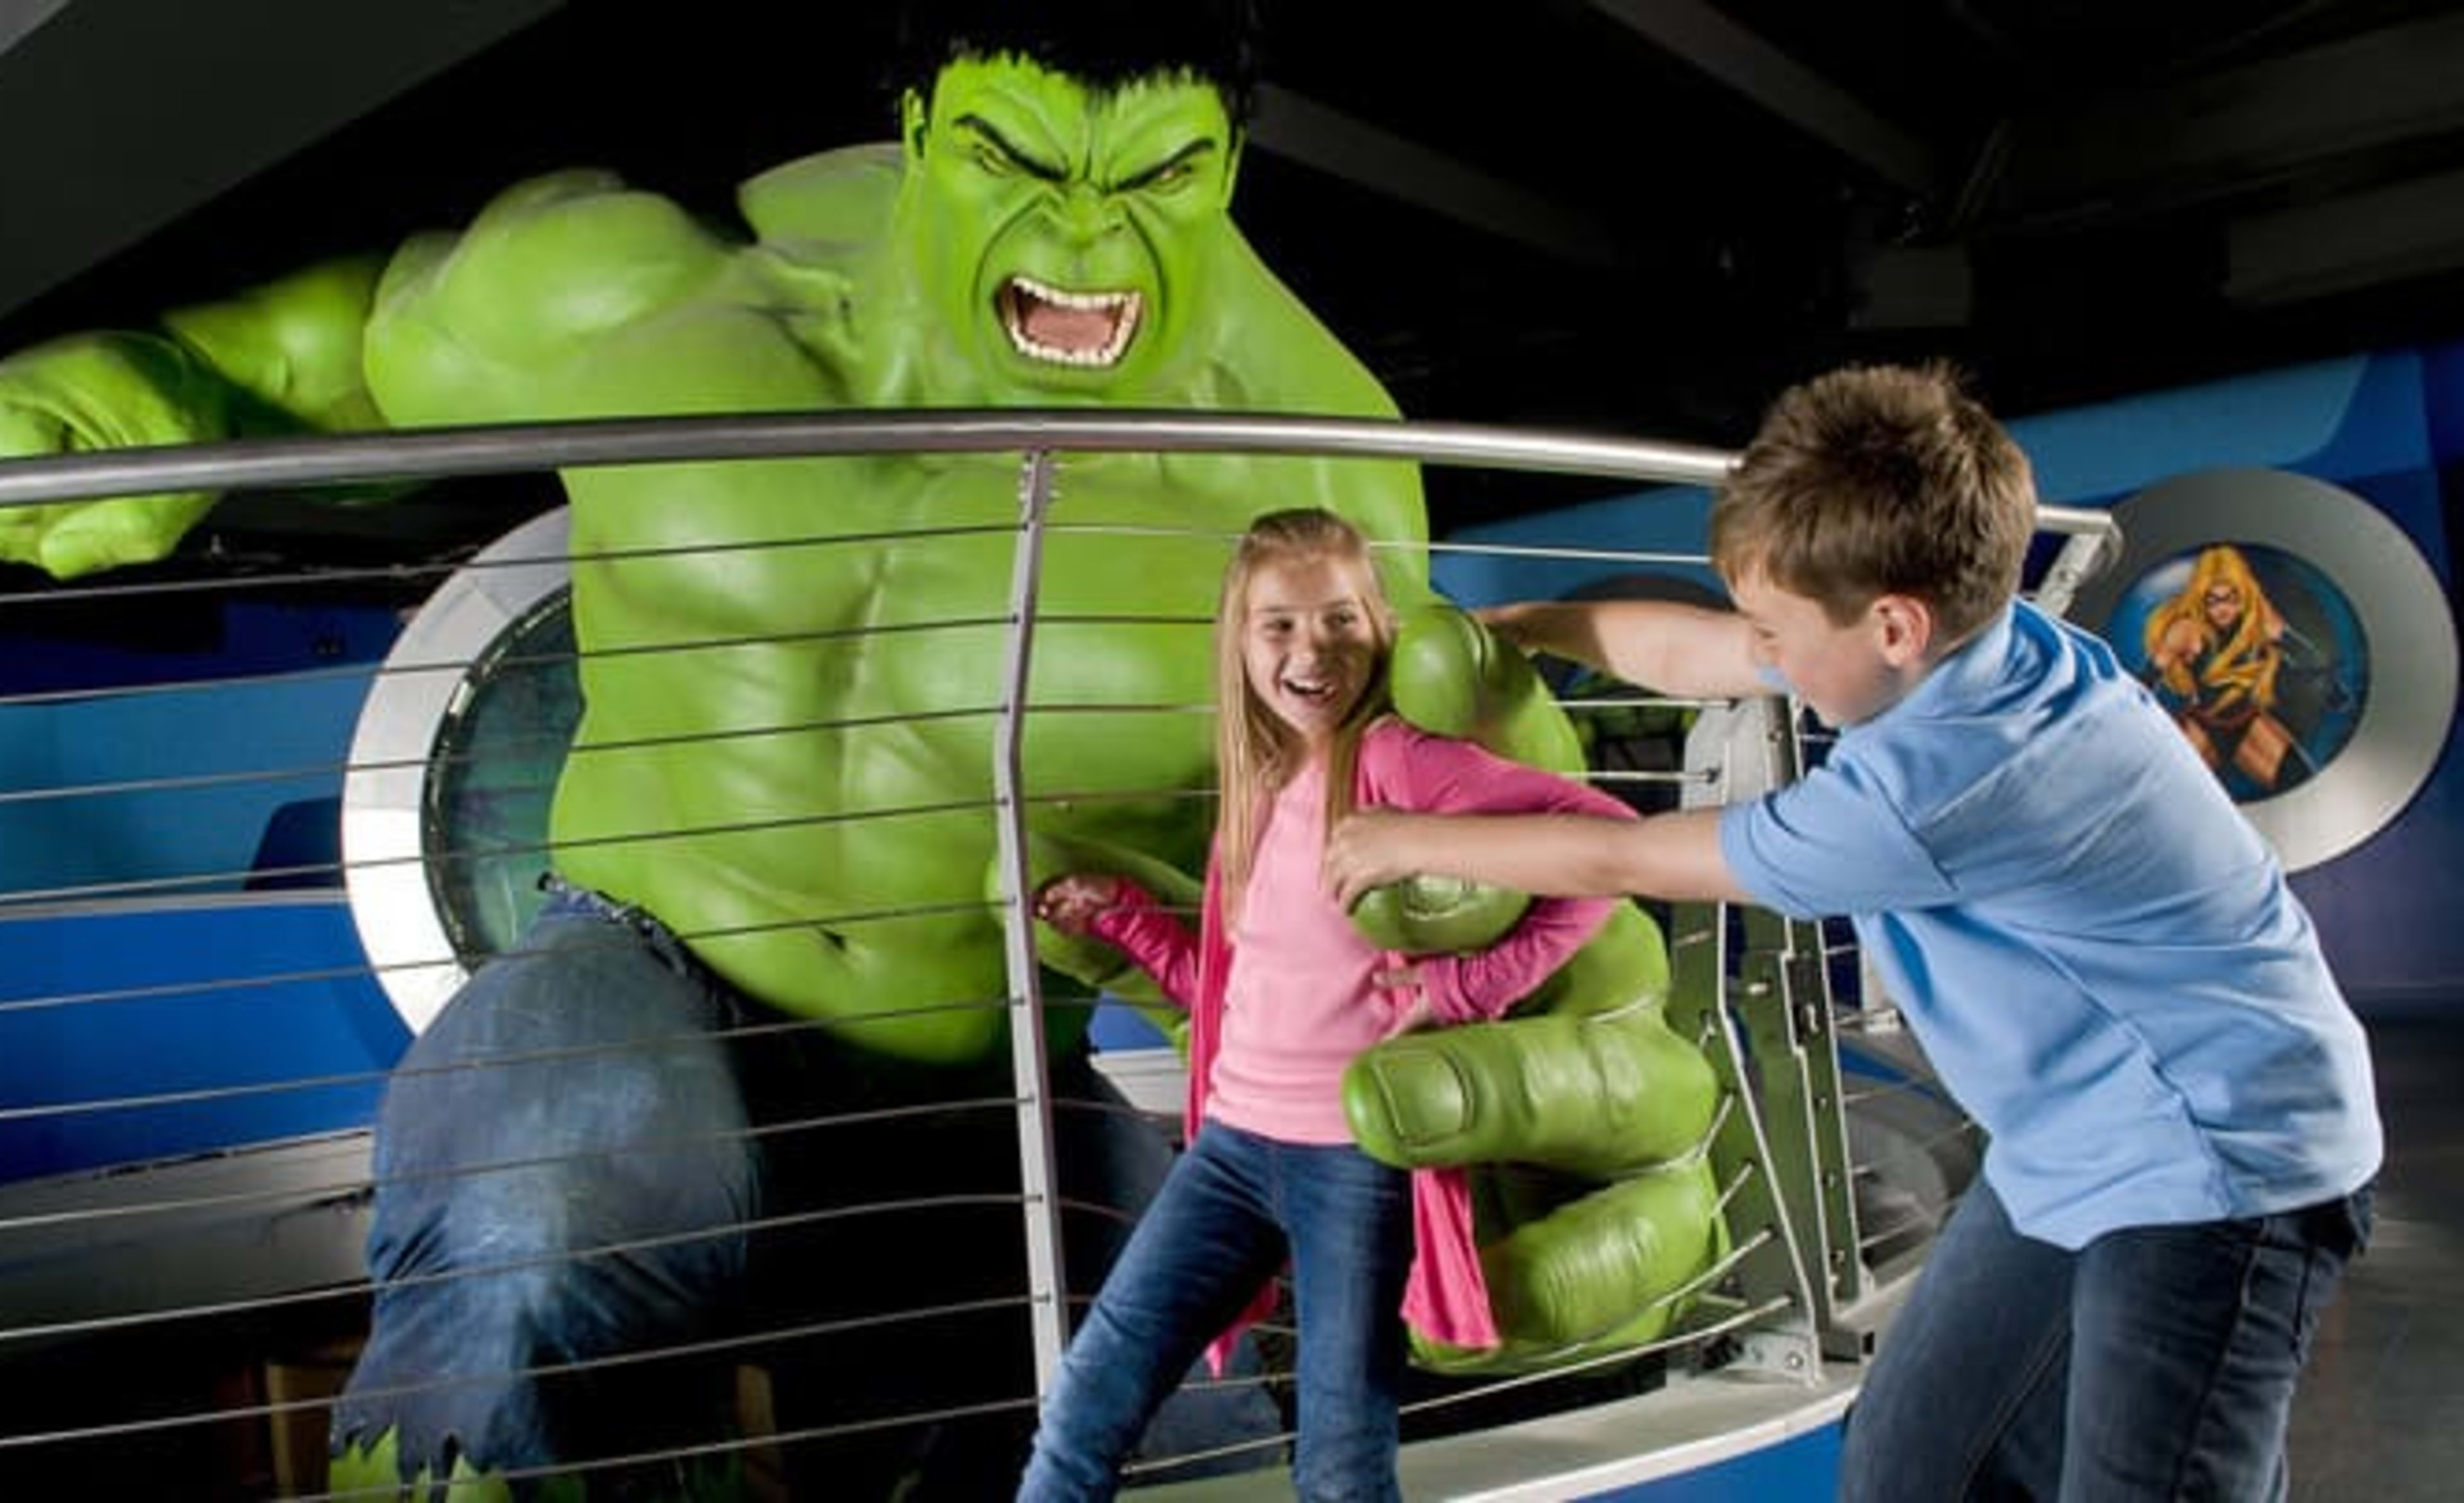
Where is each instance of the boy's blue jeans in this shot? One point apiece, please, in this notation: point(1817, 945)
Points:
point(1234, 1208)
point(2155, 1362)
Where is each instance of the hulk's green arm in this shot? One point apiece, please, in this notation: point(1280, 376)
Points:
point(283, 358)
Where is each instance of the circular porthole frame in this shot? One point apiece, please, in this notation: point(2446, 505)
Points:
point(2409, 708)
point(389, 849)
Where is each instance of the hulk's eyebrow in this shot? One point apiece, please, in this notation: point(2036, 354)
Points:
point(1017, 155)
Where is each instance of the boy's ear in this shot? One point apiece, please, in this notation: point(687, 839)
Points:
point(1906, 625)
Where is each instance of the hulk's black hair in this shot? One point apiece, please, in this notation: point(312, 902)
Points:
point(1105, 43)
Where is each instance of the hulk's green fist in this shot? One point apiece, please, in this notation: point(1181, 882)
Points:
point(1583, 1118)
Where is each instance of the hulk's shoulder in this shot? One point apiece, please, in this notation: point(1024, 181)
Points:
point(830, 198)
point(1310, 368)
point(550, 257)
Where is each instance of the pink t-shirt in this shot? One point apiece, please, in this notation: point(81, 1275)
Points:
point(1300, 1002)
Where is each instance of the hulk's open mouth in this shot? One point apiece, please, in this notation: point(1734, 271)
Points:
point(1067, 328)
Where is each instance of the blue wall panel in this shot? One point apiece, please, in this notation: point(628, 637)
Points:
point(148, 1032)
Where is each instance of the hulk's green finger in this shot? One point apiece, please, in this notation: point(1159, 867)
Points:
point(1609, 1265)
point(1596, 1096)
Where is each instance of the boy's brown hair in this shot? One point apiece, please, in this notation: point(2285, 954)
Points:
point(1881, 481)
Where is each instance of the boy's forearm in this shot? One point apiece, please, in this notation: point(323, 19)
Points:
point(1555, 856)
point(1560, 628)
point(1552, 855)
point(1673, 648)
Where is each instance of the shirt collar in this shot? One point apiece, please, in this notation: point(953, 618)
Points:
point(1976, 664)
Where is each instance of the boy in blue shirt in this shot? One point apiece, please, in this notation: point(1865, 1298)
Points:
point(2097, 952)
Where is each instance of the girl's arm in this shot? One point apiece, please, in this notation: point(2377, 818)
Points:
point(1121, 912)
point(1465, 989)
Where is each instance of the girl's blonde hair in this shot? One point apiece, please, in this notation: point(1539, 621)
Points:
point(1256, 754)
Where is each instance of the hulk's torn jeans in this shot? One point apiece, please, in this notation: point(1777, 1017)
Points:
point(567, 1161)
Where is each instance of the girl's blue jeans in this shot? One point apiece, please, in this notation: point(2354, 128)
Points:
point(2155, 1362)
point(1235, 1206)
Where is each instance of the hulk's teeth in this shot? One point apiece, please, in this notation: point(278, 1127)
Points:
point(1023, 299)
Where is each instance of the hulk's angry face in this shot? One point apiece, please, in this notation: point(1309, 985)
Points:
point(1063, 235)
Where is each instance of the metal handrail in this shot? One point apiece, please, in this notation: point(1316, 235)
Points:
point(495, 449)
point(521, 448)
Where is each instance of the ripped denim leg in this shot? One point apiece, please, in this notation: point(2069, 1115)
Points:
point(562, 1176)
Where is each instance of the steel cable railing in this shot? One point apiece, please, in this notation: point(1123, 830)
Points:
point(440, 453)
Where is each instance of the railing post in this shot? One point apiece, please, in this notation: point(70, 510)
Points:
point(1784, 1005)
point(1046, 1287)
point(2085, 554)
point(1760, 1148)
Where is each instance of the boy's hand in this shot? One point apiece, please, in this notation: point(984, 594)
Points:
point(1511, 624)
point(1371, 848)
point(1454, 675)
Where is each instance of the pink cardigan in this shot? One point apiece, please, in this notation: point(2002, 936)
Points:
point(1400, 767)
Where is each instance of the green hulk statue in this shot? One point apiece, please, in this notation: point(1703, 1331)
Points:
point(777, 805)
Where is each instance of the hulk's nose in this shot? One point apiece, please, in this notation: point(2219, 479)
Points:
point(1088, 213)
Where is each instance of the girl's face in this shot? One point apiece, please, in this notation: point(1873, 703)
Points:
point(1309, 643)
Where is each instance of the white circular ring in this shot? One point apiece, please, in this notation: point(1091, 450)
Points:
point(2410, 706)
point(425, 676)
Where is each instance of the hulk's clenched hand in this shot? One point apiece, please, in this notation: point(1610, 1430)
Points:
point(1582, 1114)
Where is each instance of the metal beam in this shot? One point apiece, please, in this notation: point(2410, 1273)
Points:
point(2413, 228)
point(2240, 129)
point(122, 115)
point(1701, 35)
point(1317, 134)
point(17, 17)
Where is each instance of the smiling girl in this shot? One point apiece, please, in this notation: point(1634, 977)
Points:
point(1283, 992)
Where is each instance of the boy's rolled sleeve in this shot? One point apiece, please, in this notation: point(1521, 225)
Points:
point(1829, 845)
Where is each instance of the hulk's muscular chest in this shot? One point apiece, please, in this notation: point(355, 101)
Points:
point(814, 643)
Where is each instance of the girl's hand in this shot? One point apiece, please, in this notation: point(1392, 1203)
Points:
point(1071, 901)
point(1411, 1009)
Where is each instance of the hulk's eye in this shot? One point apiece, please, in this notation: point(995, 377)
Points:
point(1171, 173)
point(1000, 157)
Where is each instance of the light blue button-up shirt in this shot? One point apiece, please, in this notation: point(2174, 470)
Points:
point(2097, 952)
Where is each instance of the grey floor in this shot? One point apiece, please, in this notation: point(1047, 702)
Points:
point(2380, 1415)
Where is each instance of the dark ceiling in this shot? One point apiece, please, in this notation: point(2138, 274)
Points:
point(1635, 216)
